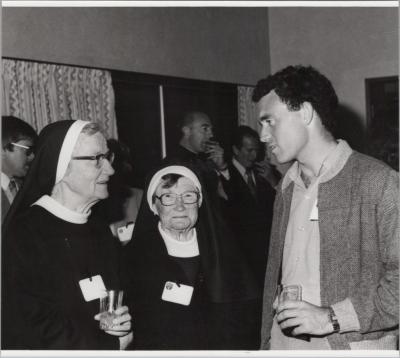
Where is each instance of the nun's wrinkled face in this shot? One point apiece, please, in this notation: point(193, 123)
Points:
point(181, 213)
point(88, 178)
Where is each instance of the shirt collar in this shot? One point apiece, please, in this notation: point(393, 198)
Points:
point(5, 181)
point(332, 165)
point(61, 211)
point(292, 175)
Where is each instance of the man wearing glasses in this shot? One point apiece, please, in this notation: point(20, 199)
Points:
point(18, 138)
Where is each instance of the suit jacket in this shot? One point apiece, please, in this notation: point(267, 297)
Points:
point(250, 218)
point(5, 205)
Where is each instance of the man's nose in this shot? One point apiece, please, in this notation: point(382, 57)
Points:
point(265, 135)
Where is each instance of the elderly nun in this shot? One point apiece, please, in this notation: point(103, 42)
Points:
point(182, 283)
point(57, 259)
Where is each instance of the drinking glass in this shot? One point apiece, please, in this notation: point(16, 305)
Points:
point(289, 292)
point(110, 302)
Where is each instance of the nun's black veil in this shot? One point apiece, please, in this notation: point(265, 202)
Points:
point(41, 176)
point(39, 181)
point(226, 274)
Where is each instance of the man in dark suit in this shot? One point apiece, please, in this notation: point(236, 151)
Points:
point(18, 138)
point(250, 199)
point(198, 149)
point(249, 210)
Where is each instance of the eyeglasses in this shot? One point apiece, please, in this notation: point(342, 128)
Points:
point(28, 149)
point(188, 197)
point(99, 158)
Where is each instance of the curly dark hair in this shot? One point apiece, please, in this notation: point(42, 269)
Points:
point(295, 85)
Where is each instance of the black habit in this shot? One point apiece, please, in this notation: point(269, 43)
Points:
point(47, 257)
point(224, 289)
point(43, 259)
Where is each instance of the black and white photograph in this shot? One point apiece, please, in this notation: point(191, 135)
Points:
point(206, 178)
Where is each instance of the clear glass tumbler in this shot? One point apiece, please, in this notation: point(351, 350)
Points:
point(108, 304)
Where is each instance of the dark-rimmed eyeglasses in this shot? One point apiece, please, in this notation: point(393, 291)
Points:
point(28, 149)
point(188, 197)
point(99, 158)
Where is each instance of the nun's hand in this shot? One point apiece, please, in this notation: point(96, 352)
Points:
point(122, 324)
point(125, 341)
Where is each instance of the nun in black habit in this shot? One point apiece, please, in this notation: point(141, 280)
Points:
point(57, 258)
point(186, 288)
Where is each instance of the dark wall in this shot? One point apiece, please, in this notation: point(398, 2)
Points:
point(218, 44)
point(137, 107)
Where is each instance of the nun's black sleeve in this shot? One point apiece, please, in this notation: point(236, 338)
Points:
point(46, 308)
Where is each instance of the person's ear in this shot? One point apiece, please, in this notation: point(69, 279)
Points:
point(8, 147)
point(186, 131)
point(308, 112)
point(5, 149)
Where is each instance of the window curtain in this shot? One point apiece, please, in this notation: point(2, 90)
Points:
point(247, 108)
point(41, 93)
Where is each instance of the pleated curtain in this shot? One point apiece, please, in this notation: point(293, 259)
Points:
point(41, 93)
point(247, 110)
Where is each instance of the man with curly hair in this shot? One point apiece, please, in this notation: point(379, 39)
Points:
point(334, 236)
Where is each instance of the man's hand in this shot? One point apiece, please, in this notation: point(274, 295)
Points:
point(216, 154)
point(305, 317)
point(268, 172)
point(263, 168)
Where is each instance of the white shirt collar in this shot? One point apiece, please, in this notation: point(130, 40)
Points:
point(61, 211)
point(177, 248)
point(5, 181)
point(333, 164)
point(242, 170)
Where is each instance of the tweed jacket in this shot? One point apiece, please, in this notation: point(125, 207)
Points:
point(359, 247)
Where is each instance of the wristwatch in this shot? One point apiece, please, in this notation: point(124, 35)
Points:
point(333, 319)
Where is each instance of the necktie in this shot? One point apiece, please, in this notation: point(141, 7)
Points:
point(250, 182)
point(12, 186)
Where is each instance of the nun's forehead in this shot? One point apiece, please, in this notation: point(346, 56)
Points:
point(182, 181)
point(90, 142)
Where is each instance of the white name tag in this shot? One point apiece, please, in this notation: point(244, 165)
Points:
point(181, 294)
point(125, 232)
point(92, 288)
point(314, 212)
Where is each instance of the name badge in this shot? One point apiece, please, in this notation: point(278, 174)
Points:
point(125, 232)
point(314, 212)
point(92, 288)
point(181, 294)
